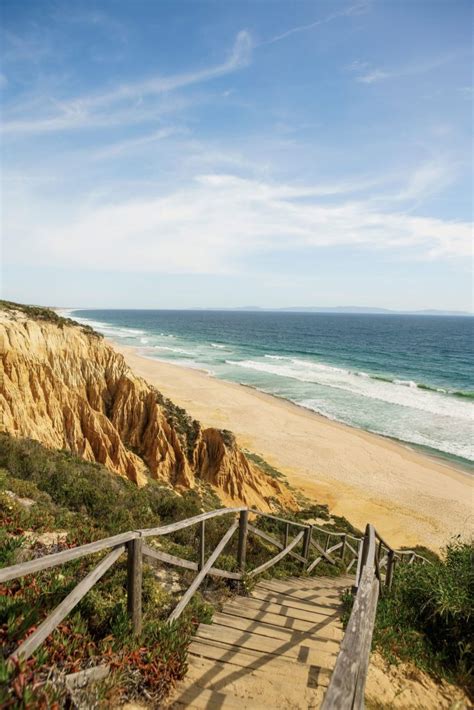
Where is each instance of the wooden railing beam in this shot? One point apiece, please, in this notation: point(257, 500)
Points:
point(176, 613)
point(73, 598)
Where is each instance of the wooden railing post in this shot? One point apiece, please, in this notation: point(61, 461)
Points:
point(243, 533)
point(343, 548)
point(306, 542)
point(202, 545)
point(287, 535)
point(390, 569)
point(134, 583)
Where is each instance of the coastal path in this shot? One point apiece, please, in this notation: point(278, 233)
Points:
point(280, 645)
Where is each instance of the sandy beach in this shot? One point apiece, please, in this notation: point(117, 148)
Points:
point(409, 497)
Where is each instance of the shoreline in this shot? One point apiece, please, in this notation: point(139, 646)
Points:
point(411, 497)
point(466, 469)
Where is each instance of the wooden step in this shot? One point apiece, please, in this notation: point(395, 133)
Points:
point(266, 645)
point(287, 600)
point(283, 610)
point(273, 649)
point(321, 582)
point(327, 628)
point(275, 632)
point(251, 686)
point(305, 673)
point(323, 596)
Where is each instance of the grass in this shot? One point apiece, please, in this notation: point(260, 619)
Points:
point(427, 618)
point(89, 502)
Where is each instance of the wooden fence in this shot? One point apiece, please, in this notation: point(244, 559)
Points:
point(374, 570)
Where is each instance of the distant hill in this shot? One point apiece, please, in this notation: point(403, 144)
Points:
point(341, 309)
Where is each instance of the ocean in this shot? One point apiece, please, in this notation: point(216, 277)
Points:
point(403, 376)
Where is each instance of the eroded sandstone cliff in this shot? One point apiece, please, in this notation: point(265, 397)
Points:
point(64, 386)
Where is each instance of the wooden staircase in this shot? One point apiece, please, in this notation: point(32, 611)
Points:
point(273, 649)
point(282, 646)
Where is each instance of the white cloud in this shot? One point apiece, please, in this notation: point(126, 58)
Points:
point(366, 74)
point(351, 10)
point(123, 104)
point(215, 223)
point(115, 150)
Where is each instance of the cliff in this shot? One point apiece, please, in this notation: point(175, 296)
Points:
point(64, 386)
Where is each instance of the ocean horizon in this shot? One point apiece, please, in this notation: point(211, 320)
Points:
point(406, 377)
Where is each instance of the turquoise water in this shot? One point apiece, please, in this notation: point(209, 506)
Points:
point(407, 377)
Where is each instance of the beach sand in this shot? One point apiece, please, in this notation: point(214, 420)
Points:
point(408, 496)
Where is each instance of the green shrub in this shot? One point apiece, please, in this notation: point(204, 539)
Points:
point(428, 616)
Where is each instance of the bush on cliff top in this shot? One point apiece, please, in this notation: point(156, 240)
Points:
point(46, 314)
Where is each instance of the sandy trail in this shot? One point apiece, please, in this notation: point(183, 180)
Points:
point(408, 496)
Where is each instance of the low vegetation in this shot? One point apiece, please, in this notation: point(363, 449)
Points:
point(427, 618)
point(45, 314)
point(52, 500)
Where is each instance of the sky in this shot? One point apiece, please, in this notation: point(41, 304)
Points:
point(198, 153)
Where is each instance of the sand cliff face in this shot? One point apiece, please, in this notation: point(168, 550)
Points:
point(69, 389)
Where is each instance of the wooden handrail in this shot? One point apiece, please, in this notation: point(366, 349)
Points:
point(278, 557)
point(58, 558)
point(367, 583)
point(181, 524)
point(73, 598)
point(346, 687)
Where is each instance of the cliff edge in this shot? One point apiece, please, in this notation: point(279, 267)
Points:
point(64, 386)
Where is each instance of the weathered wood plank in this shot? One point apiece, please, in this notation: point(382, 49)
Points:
point(333, 548)
point(281, 520)
point(325, 627)
point(274, 541)
point(295, 603)
point(58, 558)
point(81, 679)
point(325, 595)
point(323, 552)
point(187, 564)
point(243, 533)
point(273, 688)
point(288, 611)
point(198, 580)
point(281, 633)
point(309, 597)
point(49, 624)
point(252, 660)
point(314, 564)
point(173, 527)
point(366, 645)
point(202, 545)
point(277, 558)
point(134, 583)
point(347, 683)
point(264, 644)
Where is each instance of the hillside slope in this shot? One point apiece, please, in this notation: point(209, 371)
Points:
point(64, 386)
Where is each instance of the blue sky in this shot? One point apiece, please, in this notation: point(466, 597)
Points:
point(219, 154)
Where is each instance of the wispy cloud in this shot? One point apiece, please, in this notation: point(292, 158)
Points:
point(216, 222)
point(367, 74)
point(120, 148)
point(122, 104)
point(356, 9)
